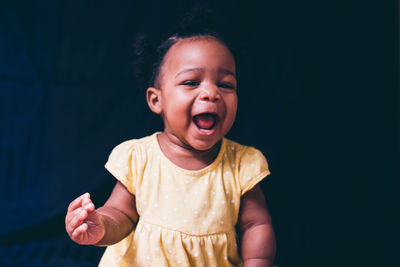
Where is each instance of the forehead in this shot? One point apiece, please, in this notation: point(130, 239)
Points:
point(205, 51)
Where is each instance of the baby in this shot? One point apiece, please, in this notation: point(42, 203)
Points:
point(181, 192)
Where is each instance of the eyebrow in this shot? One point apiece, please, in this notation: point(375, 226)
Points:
point(190, 70)
point(224, 71)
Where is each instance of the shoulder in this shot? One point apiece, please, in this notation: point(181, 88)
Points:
point(250, 163)
point(126, 161)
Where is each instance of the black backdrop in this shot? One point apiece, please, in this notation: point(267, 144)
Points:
point(317, 94)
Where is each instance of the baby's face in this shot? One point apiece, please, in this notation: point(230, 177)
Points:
point(198, 92)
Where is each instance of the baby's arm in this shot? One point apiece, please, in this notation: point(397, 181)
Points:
point(258, 239)
point(105, 226)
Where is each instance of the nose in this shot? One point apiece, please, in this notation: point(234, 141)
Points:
point(210, 93)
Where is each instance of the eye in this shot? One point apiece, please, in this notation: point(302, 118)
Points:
point(190, 83)
point(226, 85)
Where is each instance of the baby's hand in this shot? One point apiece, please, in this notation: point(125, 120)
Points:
point(83, 223)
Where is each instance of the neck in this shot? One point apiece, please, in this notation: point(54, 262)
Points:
point(185, 156)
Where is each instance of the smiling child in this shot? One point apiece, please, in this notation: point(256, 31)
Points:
point(181, 192)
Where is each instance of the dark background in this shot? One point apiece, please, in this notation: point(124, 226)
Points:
point(318, 94)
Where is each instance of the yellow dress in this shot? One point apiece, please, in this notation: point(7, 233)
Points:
point(187, 218)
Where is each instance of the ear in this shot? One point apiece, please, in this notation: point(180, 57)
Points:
point(153, 97)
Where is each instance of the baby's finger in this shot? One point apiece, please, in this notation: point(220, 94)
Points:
point(79, 231)
point(77, 202)
point(72, 215)
point(77, 220)
point(86, 201)
point(89, 207)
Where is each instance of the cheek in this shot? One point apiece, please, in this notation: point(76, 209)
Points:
point(177, 111)
point(180, 102)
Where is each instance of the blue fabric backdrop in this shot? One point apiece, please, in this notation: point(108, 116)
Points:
point(317, 94)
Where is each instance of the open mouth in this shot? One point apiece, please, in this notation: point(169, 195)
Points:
point(205, 121)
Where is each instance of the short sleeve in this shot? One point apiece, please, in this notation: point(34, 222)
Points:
point(253, 168)
point(120, 164)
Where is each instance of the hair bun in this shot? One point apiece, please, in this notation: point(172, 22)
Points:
point(200, 20)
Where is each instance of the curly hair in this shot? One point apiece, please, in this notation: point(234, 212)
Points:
point(199, 22)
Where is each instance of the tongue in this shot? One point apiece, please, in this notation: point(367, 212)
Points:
point(205, 121)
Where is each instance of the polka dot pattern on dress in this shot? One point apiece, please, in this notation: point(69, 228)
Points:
point(192, 207)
